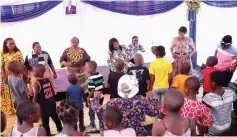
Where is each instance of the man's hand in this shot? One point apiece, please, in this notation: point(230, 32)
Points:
point(126, 59)
point(97, 94)
point(55, 76)
point(232, 68)
point(87, 104)
point(174, 55)
point(69, 64)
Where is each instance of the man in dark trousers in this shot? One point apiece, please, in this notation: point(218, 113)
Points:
point(71, 9)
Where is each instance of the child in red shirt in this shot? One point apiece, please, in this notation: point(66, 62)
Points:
point(210, 67)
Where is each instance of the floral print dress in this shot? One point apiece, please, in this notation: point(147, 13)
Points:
point(6, 94)
point(183, 49)
point(133, 109)
point(118, 54)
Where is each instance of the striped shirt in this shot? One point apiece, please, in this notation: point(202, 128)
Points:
point(95, 82)
point(221, 107)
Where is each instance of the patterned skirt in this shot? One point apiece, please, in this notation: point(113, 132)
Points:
point(6, 99)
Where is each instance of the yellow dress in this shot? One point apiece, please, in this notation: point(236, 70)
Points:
point(6, 94)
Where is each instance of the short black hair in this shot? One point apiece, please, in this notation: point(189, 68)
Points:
point(34, 44)
point(212, 61)
point(185, 68)
point(72, 78)
point(68, 111)
point(113, 113)
point(11, 66)
point(92, 64)
point(40, 67)
point(192, 83)
point(173, 100)
point(160, 50)
point(119, 64)
point(183, 29)
point(24, 109)
point(134, 37)
point(218, 77)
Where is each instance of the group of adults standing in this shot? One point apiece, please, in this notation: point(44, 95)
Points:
point(74, 58)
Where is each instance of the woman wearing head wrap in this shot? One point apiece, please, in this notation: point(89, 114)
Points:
point(74, 58)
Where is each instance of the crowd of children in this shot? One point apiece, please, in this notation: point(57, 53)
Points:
point(134, 95)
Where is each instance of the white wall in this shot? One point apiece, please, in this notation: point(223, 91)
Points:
point(94, 27)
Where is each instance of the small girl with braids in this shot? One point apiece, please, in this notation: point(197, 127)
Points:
point(68, 114)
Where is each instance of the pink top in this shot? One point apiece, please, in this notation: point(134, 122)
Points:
point(124, 132)
point(225, 60)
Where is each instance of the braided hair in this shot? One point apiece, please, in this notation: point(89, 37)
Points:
point(68, 111)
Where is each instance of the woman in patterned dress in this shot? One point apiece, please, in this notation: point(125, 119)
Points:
point(74, 58)
point(10, 53)
point(117, 51)
point(182, 49)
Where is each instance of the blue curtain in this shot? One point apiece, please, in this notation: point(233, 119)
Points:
point(12, 13)
point(222, 4)
point(192, 18)
point(136, 7)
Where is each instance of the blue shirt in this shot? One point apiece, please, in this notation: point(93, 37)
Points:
point(74, 93)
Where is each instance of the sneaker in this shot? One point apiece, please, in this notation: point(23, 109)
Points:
point(90, 128)
point(101, 130)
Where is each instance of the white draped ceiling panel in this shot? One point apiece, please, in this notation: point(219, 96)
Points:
point(18, 2)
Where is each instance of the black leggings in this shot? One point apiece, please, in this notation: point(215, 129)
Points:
point(228, 77)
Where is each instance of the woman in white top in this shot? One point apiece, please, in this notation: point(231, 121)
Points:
point(29, 113)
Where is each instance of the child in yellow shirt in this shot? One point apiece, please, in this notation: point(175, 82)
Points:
point(180, 79)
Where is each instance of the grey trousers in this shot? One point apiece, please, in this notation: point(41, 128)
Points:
point(159, 94)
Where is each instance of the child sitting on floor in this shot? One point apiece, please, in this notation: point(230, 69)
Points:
point(68, 113)
point(95, 83)
point(220, 102)
point(173, 101)
point(180, 79)
point(205, 78)
point(44, 95)
point(75, 92)
point(17, 84)
point(3, 122)
point(114, 78)
point(141, 73)
point(113, 117)
point(194, 109)
point(29, 112)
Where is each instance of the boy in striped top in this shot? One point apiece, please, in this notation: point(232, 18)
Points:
point(220, 102)
point(95, 83)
